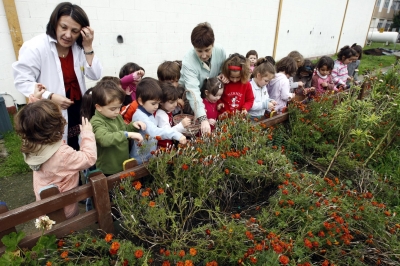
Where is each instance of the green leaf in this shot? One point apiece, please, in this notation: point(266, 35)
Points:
point(11, 240)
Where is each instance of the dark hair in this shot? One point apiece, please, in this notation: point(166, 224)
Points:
point(87, 106)
point(358, 50)
point(107, 91)
point(240, 61)
point(212, 85)
point(297, 57)
point(325, 61)
point(168, 70)
point(67, 9)
point(169, 92)
point(263, 67)
point(202, 35)
point(287, 64)
point(149, 89)
point(347, 52)
point(308, 67)
point(251, 52)
point(129, 68)
point(270, 59)
point(39, 123)
point(113, 79)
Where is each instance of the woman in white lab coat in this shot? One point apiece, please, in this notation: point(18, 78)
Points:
point(60, 60)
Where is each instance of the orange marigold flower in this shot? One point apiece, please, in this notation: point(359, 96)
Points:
point(77, 244)
point(236, 216)
point(208, 232)
point(212, 263)
point(188, 263)
point(290, 202)
point(185, 167)
point(259, 247)
point(321, 234)
point(48, 263)
point(60, 243)
point(315, 244)
point(132, 174)
point(166, 263)
point(145, 194)
point(167, 253)
point(307, 243)
point(193, 251)
point(285, 191)
point(138, 253)
point(152, 204)
point(283, 259)
point(64, 254)
point(325, 263)
point(277, 213)
point(252, 219)
point(249, 235)
point(253, 260)
point(115, 245)
point(125, 263)
point(226, 171)
point(137, 185)
point(180, 263)
point(287, 175)
point(387, 213)
point(260, 162)
point(108, 237)
point(277, 248)
point(310, 234)
point(160, 191)
point(158, 138)
point(181, 253)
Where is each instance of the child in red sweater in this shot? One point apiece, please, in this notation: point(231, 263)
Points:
point(211, 92)
point(238, 94)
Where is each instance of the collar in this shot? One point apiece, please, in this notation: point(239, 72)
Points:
point(255, 83)
point(319, 74)
point(144, 110)
point(51, 39)
point(36, 159)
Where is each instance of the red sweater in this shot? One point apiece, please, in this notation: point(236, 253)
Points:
point(237, 96)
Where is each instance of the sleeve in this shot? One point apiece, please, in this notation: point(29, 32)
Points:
point(162, 120)
point(26, 70)
point(331, 85)
point(285, 90)
point(356, 70)
point(249, 97)
point(95, 70)
point(293, 85)
point(314, 81)
point(125, 81)
point(192, 84)
point(85, 157)
point(335, 76)
point(104, 137)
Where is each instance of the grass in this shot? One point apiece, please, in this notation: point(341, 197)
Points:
point(14, 163)
point(371, 62)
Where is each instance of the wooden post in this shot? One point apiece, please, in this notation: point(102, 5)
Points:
point(58, 215)
point(3, 209)
point(341, 29)
point(278, 22)
point(13, 25)
point(369, 26)
point(101, 200)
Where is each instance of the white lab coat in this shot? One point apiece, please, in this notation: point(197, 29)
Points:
point(38, 62)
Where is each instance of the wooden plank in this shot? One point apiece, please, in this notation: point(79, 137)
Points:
point(102, 204)
point(58, 215)
point(275, 120)
point(34, 210)
point(13, 25)
point(140, 171)
point(3, 209)
point(62, 229)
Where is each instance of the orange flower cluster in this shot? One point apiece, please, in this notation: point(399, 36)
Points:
point(152, 204)
point(114, 248)
point(64, 254)
point(283, 259)
point(137, 185)
point(192, 251)
point(185, 167)
point(108, 237)
point(145, 194)
point(181, 253)
point(212, 263)
point(138, 253)
point(160, 191)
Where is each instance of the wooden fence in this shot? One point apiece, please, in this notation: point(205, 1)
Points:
point(53, 205)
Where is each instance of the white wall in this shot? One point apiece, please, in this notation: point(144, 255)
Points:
point(158, 30)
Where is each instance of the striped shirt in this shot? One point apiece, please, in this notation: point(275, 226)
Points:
point(339, 73)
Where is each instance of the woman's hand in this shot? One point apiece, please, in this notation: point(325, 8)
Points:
point(86, 125)
point(139, 125)
point(212, 121)
point(224, 79)
point(205, 127)
point(87, 38)
point(62, 101)
point(39, 90)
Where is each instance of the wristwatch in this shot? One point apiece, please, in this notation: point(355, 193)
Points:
point(88, 53)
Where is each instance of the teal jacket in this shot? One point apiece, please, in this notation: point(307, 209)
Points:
point(112, 144)
point(193, 74)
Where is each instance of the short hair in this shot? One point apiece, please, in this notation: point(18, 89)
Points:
point(169, 92)
point(129, 68)
point(38, 124)
point(113, 79)
point(212, 85)
point(263, 67)
point(358, 49)
point(251, 52)
point(67, 9)
point(287, 64)
point(106, 92)
point(347, 52)
point(202, 35)
point(168, 70)
point(239, 61)
point(87, 106)
point(297, 57)
point(270, 59)
point(308, 67)
point(325, 61)
point(149, 89)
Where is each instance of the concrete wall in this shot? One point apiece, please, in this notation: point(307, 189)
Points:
point(158, 30)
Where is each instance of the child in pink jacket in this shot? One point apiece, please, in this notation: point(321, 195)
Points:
point(41, 125)
point(131, 74)
point(322, 79)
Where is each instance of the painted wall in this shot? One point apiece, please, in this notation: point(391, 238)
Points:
point(158, 30)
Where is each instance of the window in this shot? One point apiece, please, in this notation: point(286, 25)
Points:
point(387, 26)
point(386, 5)
point(378, 3)
point(380, 24)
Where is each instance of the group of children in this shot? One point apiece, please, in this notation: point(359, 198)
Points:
point(131, 116)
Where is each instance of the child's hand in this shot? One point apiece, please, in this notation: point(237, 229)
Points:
point(186, 122)
point(39, 90)
point(137, 76)
point(86, 126)
point(181, 103)
point(182, 140)
point(139, 125)
point(212, 121)
point(244, 111)
point(349, 78)
point(128, 91)
point(271, 105)
point(136, 136)
point(324, 84)
point(224, 79)
point(300, 83)
point(273, 102)
point(220, 106)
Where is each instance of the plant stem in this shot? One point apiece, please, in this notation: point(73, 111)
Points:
point(379, 145)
